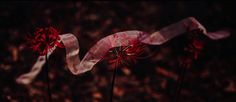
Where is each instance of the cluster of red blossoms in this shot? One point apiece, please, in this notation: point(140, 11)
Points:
point(194, 47)
point(196, 44)
point(125, 55)
point(44, 39)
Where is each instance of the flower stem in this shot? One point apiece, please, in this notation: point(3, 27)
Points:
point(47, 80)
point(180, 83)
point(112, 83)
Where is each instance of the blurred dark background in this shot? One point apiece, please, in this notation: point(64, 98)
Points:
point(212, 78)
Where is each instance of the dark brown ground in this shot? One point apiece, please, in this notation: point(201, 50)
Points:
point(212, 78)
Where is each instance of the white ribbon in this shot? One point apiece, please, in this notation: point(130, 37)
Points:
point(96, 53)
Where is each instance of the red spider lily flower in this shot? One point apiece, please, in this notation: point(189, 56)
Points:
point(44, 39)
point(195, 46)
point(124, 55)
